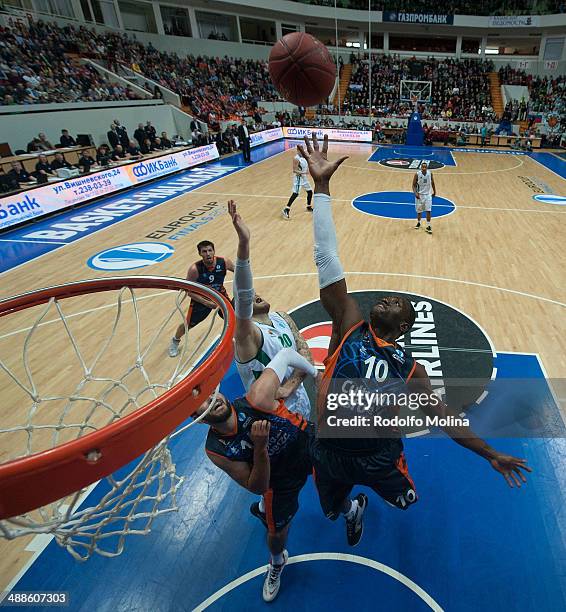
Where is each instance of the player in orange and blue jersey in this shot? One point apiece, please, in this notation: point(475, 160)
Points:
point(360, 352)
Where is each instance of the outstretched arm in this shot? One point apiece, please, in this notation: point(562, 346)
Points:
point(297, 377)
point(341, 307)
point(263, 392)
point(247, 337)
point(510, 467)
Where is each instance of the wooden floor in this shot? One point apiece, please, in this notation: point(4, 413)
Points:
point(499, 258)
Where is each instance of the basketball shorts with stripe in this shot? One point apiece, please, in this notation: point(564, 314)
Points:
point(288, 476)
point(300, 180)
point(385, 472)
point(198, 312)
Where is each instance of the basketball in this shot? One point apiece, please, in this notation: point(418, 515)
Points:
point(302, 69)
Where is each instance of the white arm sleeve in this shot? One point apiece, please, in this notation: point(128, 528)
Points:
point(325, 243)
point(286, 358)
point(243, 289)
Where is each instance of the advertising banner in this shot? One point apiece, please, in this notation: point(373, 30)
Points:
point(426, 18)
point(41, 201)
point(333, 134)
point(513, 21)
point(260, 138)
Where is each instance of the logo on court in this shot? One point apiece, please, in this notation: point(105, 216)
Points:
point(131, 256)
point(398, 205)
point(410, 163)
point(455, 352)
point(548, 198)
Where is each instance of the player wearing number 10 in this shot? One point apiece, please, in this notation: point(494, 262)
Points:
point(361, 350)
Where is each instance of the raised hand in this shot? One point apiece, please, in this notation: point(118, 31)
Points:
point(241, 228)
point(510, 467)
point(320, 167)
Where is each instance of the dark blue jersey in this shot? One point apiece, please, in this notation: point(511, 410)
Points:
point(365, 362)
point(212, 277)
point(363, 355)
point(287, 434)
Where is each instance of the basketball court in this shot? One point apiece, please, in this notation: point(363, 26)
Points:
point(492, 273)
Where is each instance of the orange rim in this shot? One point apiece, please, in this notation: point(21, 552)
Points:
point(44, 477)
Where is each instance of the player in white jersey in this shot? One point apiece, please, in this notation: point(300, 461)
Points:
point(280, 332)
point(424, 189)
point(259, 334)
point(300, 179)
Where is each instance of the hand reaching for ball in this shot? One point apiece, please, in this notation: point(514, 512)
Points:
point(320, 167)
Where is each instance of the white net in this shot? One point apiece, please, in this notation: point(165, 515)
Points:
point(84, 363)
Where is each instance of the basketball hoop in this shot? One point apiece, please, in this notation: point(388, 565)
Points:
point(92, 435)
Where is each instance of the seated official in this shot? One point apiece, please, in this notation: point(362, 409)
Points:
point(43, 168)
point(33, 145)
point(119, 154)
point(145, 146)
point(7, 182)
point(60, 162)
point(66, 139)
point(157, 145)
point(86, 162)
point(19, 173)
point(44, 144)
point(167, 144)
point(133, 150)
point(103, 155)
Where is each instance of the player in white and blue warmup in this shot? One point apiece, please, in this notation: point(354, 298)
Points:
point(424, 190)
point(300, 172)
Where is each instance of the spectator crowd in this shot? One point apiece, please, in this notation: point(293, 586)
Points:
point(35, 69)
point(460, 88)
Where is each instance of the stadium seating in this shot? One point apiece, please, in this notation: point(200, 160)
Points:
point(36, 68)
point(213, 88)
point(460, 89)
point(545, 95)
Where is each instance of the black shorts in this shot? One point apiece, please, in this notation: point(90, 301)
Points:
point(198, 312)
point(287, 480)
point(385, 472)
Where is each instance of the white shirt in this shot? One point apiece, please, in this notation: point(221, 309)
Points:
point(302, 162)
point(424, 183)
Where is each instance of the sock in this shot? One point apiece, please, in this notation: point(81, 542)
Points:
point(352, 511)
point(176, 340)
point(277, 559)
point(261, 505)
point(309, 198)
point(293, 197)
